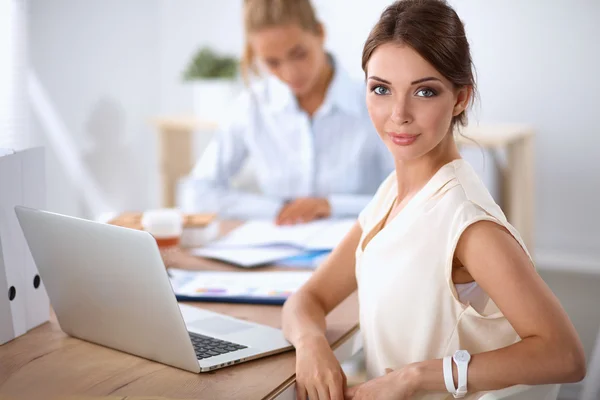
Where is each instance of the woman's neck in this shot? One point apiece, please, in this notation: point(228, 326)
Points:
point(414, 174)
point(311, 101)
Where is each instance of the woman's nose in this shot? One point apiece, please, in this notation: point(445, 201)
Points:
point(401, 113)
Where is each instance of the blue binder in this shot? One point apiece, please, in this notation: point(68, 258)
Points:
point(270, 301)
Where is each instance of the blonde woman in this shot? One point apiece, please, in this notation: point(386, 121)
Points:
point(450, 302)
point(304, 128)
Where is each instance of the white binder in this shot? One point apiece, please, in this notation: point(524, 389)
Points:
point(23, 300)
point(34, 196)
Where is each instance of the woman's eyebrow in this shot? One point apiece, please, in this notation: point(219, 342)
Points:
point(429, 78)
point(376, 78)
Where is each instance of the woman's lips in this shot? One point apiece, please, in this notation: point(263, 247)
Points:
point(403, 139)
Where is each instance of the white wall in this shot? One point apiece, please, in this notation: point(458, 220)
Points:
point(98, 61)
point(186, 26)
point(14, 112)
point(537, 63)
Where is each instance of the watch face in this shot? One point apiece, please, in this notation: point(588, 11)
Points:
point(462, 356)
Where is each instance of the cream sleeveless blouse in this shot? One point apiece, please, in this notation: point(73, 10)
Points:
point(409, 307)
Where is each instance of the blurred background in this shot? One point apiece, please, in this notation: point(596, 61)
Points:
point(91, 81)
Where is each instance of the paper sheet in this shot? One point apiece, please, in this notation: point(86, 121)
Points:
point(248, 256)
point(259, 285)
point(317, 235)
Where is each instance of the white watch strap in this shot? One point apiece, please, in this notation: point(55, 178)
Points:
point(448, 377)
point(461, 390)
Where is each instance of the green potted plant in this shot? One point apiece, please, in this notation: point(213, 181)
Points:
point(215, 83)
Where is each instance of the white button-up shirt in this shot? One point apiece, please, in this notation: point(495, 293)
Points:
point(335, 154)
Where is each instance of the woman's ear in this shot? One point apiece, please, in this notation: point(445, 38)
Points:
point(463, 98)
point(321, 33)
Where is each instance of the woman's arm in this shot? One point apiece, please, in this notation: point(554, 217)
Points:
point(210, 180)
point(304, 312)
point(318, 373)
point(550, 350)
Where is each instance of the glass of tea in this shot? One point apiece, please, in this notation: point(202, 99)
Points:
point(166, 225)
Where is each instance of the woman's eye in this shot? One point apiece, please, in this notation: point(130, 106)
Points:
point(272, 63)
point(426, 93)
point(300, 56)
point(380, 90)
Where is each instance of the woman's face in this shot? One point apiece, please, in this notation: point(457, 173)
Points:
point(294, 55)
point(410, 103)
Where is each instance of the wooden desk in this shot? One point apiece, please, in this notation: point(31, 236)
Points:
point(47, 362)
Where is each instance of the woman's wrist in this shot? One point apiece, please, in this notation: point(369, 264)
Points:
point(429, 376)
point(311, 340)
point(411, 377)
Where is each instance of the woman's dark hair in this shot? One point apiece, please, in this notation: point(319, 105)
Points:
point(434, 30)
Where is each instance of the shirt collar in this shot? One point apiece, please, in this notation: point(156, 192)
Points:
point(341, 94)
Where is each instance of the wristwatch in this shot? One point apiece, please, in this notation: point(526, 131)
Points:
point(461, 359)
point(448, 377)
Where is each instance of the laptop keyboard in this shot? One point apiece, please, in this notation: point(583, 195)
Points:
point(206, 346)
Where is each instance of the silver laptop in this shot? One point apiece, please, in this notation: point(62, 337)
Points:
point(108, 285)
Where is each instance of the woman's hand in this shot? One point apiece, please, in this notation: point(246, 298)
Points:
point(319, 375)
point(394, 385)
point(303, 210)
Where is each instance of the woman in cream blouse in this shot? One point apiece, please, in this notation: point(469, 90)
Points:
point(439, 270)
